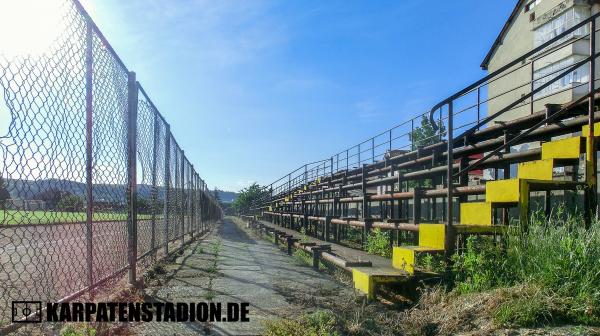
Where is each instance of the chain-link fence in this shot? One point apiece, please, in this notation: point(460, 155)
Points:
point(93, 182)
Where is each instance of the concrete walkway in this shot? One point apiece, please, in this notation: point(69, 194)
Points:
point(346, 253)
point(247, 270)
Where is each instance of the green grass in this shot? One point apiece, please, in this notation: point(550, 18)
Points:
point(555, 264)
point(302, 257)
point(12, 217)
point(210, 295)
point(318, 323)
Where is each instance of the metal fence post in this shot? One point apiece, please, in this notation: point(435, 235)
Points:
point(365, 206)
point(89, 69)
point(411, 136)
point(331, 168)
point(195, 191)
point(373, 149)
point(167, 186)
point(305, 174)
point(177, 204)
point(206, 205)
point(591, 164)
point(199, 202)
point(479, 104)
point(131, 176)
point(183, 195)
point(199, 205)
point(450, 235)
point(154, 195)
point(192, 222)
point(202, 210)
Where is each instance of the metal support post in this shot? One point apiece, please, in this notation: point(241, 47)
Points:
point(132, 176)
point(167, 186)
point(591, 164)
point(154, 194)
point(450, 240)
point(89, 110)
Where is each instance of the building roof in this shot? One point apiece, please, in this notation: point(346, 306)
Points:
point(498, 41)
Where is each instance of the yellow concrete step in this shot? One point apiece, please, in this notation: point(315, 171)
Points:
point(536, 170)
point(506, 191)
point(405, 257)
point(366, 279)
point(476, 213)
point(585, 130)
point(569, 148)
point(432, 239)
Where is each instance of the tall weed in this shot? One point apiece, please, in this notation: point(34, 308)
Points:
point(557, 255)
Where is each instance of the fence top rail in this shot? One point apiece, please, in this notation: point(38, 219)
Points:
point(97, 30)
point(83, 12)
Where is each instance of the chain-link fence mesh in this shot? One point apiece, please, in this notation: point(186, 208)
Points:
point(72, 185)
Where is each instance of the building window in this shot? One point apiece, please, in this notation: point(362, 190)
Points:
point(531, 5)
point(550, 72)
point(561, 23)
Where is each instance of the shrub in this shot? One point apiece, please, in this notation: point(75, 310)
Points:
point(378, 243)
point(480, 267)
point(433, 263)
point(70, 203)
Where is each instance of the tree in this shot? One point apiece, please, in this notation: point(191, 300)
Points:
point(247, 198)
point(4, 194)
point(425, 135)
point(70, 203)
point(60, 200)
point(422, 136)
point(51, 197)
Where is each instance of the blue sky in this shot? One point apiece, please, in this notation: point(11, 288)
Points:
point(256, 88)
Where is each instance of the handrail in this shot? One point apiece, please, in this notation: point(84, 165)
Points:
point(592, 58)
point(522, 135)
point(499, 71)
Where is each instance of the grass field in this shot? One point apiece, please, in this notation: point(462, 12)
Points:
point(12, 217)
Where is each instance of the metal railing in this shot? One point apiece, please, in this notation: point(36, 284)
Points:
point(527, 61)
point(468, 111)
point(394, 140)
point(113, 189)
